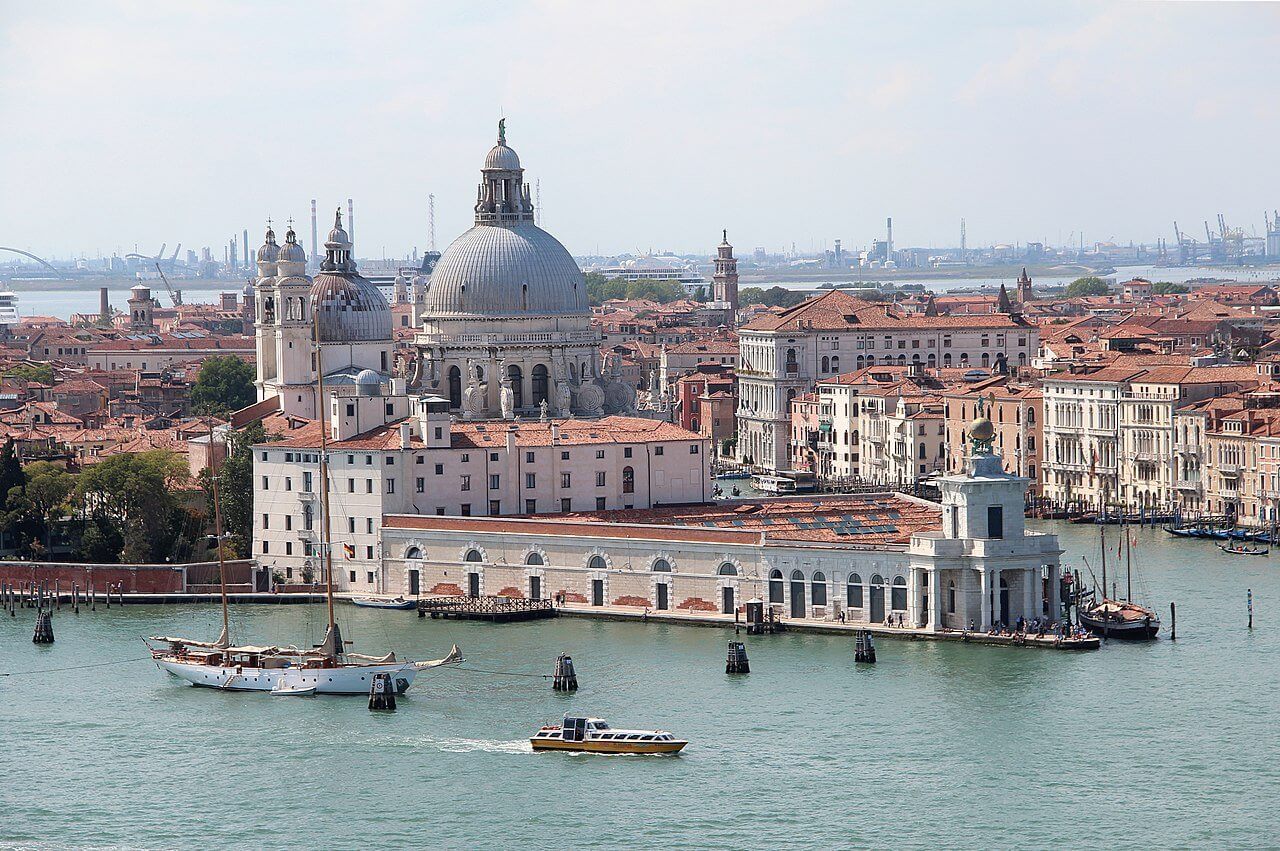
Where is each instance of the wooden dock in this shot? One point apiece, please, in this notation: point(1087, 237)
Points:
point(492, 609)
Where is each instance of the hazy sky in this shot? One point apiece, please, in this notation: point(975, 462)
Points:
point(650, 124)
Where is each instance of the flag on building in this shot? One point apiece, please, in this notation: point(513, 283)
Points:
point(349, 550)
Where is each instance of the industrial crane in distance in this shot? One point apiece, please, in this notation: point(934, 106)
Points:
point(176, 295)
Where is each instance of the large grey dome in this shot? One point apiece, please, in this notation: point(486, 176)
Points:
point(350, 309)
point(494, 270)
point(502, 157)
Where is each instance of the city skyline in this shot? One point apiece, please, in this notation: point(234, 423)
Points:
point(799, 124)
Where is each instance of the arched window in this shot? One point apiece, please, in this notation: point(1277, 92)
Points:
point(775, 586)
point(455, 387)
point(516, 375)
point(877, 579)
point(915, 357)
point(946, 360)
point(413, 552)
point(986, 359)
point(538, 384)
point(902, 360)
point(818, 588)
point(597, 563)
point(853, 592)
point(933, 360)
point(826, 364)
point(1031, 415)
point(473, 555)
point(860, 361)
point(661, 566)
point(922, 453)
point(534, 558)
point(835, 363)
point(628, 480)
point(792, 365)
point(727, 569)
point(871, 360)
point(899, 594)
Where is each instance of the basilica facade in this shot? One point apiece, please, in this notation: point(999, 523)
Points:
point(505, 325)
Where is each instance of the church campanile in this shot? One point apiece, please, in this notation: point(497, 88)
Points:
point(725, 280)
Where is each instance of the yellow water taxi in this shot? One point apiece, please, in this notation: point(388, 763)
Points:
point(593, 735)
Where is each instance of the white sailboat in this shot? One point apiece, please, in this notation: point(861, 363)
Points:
point(326, 668)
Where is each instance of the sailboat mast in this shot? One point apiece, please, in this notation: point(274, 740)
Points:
point(217, 530)
point(1102, 534)
point(324, 470)
point(1128, 565)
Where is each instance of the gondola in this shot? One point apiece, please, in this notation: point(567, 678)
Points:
point(1240, 550)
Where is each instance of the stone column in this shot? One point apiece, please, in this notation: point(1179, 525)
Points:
point(913, 597)
point(1030, 593)
point(984, 623)
point(1055, 601)
point(935, 614)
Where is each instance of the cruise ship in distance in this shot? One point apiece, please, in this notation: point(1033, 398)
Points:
point(8, 308)
point(659, 268)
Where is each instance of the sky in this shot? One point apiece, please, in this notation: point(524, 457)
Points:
point(651, 126)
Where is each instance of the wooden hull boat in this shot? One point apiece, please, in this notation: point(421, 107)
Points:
point(593, 735)
point(382, 603)
point(1244, 551)
point(1120, 619)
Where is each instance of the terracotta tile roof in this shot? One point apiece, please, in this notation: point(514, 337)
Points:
point(491, 434)
point(234, 344)
point(838, 310)
point(569, 525)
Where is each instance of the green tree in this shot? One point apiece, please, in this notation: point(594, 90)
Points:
point(235, 487)
point(11, 475)
point(772, 297)
point(224, 384)
point(1167, 288)
point(41, 373)
point(1087, 286)
point(138, 493)
point(601, 289)
point(100, 542)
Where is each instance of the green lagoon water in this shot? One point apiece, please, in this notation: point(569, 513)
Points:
point(1170, 744)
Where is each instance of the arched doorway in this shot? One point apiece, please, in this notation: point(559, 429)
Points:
point(516, 376)
point(899, 601)
point(597, 585)
point(775, 586)
point(455, 387)
point(662, 585)
point(877, 599)
point(818, 589)
point(535, 581)
point(797, 594)
point(538, 385)
point(473, 574)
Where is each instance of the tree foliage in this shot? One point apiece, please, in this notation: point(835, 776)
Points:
point(1168, 288)
point(139, 494)
point(601, 289)
point(235, 487)
point(224, 384)
point(772, 297)
point(41, 373)
point(1087, 286)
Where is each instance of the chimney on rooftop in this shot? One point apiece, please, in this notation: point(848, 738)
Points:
point(406, 434)
point(555, 434)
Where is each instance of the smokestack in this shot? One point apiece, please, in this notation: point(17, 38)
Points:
point(104, 306)
point(245, 248)
point(314, 245)
point(889, 239)
point(351, 225)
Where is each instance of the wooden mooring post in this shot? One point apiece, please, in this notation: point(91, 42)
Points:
point(1173, 621)
point(864, 647)
point(737, 663)
point(44, 627)
point(382, 694)
point(564, 678)
point(1249, 599)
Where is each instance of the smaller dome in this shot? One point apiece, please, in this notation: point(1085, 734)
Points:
point(503, 158)
point(338, 236)
point(368, 376)
point(981, 429)
point(291, 251)
point(269, 250)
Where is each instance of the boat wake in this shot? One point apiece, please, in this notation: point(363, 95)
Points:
point(482, 745)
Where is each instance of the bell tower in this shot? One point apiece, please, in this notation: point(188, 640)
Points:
point(725, 280)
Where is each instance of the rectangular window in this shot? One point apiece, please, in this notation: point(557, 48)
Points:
point(565, 504)
point(351, 485)
point(465, 509)
point(266, 546)
point(599, 453)
point(528, 457)
point(288, 548)
point(599, 503)
point(493, 456)
point(657, 450)
point(626, 452)
point(351, 412)
point(351, 525)
point(288, 522)
point(266, 521)
point(600, 479)
point(530, 481)
point(306, 482)
point(288, 483)
point(495, 507)
point(368, 525)
point(418, 459)
point(353, 575)
point(368, 485)
point(368, 460)
point(466, 456)
point(995, 521)
point(264, 482)
point(391, 460)
point(369, 575)
point(564, 456)
point(439, 469)
point(439, 433)
point(530, 506)
point(466, 483)
point(420, 484)
point(351, 459)
point(693, 449)
point(368, 553)
point(494, 483)
point(440, 510)
point(391, 485)
point(565, 480)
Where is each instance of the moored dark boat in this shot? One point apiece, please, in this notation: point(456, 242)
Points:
point(1239, 550)
point(1120, 619)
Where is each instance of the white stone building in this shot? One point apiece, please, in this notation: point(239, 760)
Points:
point(388, 459)
point(785, 354)
point(869, 558)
